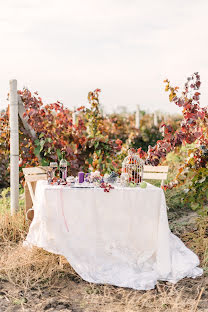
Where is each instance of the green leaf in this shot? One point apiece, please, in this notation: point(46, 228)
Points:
point(194, 206)
point(98, 152)
point(90, 160)
point(41, 135)
point(37, 151)
point(49, 140)
point(44, 162)
point(42, 142)
point(96, 144)
point(37, 142)
point(100, 160)
point(58, 152)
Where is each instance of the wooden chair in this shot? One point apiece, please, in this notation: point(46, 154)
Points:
point(155, 173)
point(32, 175)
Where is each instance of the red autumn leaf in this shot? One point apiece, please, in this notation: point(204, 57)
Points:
point(141, 153)
point(197, 134)
point(118, 142)
point(180, 102)
point(201, 114)
point(80, 108)
point(198, 83)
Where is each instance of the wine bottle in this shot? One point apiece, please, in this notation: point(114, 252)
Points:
point(63, 168)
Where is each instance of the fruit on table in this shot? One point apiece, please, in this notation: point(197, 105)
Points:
point(132, 184)
point(143, 185)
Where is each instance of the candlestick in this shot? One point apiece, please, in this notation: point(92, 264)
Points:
point(81, 177)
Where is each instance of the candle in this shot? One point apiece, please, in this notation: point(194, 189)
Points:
point(81, 177)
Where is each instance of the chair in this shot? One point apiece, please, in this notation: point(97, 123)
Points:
point(32, 175)
point(155, 173)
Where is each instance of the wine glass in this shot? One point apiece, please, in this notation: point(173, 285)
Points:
point(118, 181)
point(53, 166)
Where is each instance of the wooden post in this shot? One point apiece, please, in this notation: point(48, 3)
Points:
point(165, 117)
point(14, 147)
point(155, 120)
point(162, 131)
point(74, 117)
point(137, 121)
point(159, 116)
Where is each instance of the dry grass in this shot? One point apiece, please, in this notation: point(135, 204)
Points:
point(197, 240)
point(164, 298)
point(35, 280)
point(31, 267)
point(12, 228)
point(37, 269)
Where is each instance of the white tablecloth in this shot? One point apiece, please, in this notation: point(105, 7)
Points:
point(120, 238)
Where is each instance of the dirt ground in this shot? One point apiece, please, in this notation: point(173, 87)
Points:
point(40, 281)
point(78, 296)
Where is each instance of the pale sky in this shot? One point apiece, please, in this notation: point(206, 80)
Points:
point(65, 48)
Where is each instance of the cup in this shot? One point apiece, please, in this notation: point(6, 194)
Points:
point(53, 166)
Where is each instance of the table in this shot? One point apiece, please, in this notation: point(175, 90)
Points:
point(120, 238)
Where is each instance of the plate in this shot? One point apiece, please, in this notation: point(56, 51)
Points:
point(81, 186)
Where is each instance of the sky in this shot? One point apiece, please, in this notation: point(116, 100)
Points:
point(63, 49)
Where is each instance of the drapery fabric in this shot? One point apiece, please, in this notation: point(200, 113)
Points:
point(120, 238)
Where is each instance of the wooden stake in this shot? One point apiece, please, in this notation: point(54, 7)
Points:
point(155, 119)
point(137, 122)
point(74, 117)
point(198, 299)
point(14, 147)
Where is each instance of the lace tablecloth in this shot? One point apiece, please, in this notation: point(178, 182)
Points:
point(120, 238)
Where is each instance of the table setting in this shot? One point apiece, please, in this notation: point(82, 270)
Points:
point(112, 229)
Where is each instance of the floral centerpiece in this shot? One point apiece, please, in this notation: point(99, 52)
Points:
point(98, 180)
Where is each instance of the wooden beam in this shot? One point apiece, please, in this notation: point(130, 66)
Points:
point(149, 168)
point(35, 177)
point(31, 192)
point(154, 176)
point(14, 147)
point(35, 170)
point(22, 111)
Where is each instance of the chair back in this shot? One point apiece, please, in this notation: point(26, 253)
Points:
point(155, 173)
point(32, 175)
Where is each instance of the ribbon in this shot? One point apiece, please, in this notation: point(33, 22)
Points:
point(62, 210)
